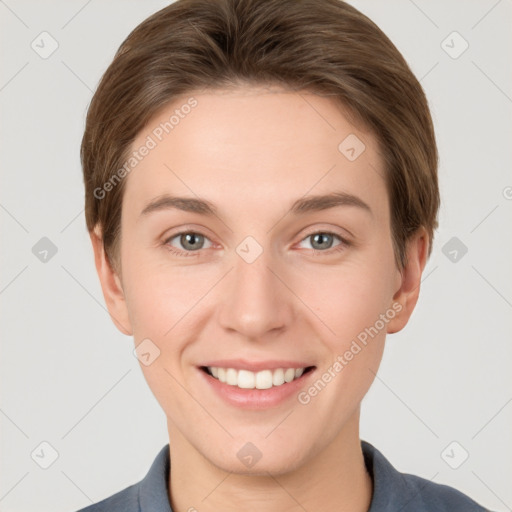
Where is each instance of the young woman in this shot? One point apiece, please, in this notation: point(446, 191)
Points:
point(261, 195)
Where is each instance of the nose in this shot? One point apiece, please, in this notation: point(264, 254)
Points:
point(256, 301)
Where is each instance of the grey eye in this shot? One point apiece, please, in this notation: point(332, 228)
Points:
point(188, 241)
point(192, 241)
point(322, 240)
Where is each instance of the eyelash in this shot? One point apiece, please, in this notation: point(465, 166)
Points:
point(342, 246)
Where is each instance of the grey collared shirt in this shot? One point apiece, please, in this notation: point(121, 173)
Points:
point(392, 491)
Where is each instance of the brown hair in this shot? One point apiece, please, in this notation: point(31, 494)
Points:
point(322, 46)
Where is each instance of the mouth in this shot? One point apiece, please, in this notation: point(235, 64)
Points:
point(262, 379)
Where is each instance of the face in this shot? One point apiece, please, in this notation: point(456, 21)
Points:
point(261, 277)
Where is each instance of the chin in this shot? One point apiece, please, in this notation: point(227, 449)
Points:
point(258, 458)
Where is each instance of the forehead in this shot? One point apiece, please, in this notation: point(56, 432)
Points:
point(253, 146)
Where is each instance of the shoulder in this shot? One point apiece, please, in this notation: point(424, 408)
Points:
point(150, 494)
point(430, 496)
point(126, 500)
point(393, 490)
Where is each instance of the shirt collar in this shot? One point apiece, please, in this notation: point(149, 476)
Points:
point(391, 492)
point(154, 488)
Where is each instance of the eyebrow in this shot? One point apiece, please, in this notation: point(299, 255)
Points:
point(300, 206)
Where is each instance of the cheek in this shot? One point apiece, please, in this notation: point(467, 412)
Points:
point(163, 306)
point(355, 303)
point(349, 299)
point(159, 296)
point(354, 306)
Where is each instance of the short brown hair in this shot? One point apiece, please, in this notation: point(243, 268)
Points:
point(325, 47)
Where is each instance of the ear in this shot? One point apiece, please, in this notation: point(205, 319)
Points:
point(111, 285)
point(410, 280)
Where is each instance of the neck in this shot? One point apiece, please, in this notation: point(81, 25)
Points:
point(334, 478)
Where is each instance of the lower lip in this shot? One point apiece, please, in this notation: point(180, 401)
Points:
point(256, 398)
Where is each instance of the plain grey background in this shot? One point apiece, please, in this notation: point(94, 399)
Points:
point(69, 378)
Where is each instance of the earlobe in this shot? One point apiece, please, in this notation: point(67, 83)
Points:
point(409, 288)
point(111, 285)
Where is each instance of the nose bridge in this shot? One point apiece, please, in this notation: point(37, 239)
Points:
point(255, 300)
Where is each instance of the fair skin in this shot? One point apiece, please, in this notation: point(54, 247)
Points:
point(253, 152)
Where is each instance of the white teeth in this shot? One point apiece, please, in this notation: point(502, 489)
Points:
point(289, 374)
point(278, 377)
point(231, 377)
point(263, 379)
point(245, 379)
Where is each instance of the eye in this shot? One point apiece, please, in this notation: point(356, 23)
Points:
point(322, 242)
point(189, 240)
point(191, 243)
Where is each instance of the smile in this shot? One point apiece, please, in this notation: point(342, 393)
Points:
point(263, 379)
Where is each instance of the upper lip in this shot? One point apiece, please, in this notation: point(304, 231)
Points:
point(254, 366)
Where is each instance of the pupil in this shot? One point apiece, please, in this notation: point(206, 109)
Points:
point(188, 238)
point(320, 236)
